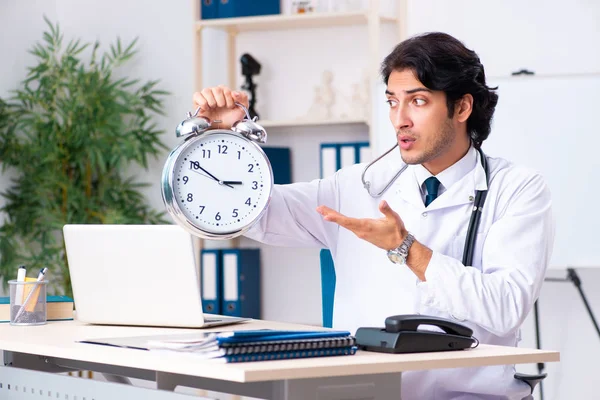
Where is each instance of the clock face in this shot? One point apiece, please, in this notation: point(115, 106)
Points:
point(221, 183)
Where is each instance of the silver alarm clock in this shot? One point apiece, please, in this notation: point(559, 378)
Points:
point(217, 183)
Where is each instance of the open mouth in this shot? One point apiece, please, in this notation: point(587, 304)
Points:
point(406, 143)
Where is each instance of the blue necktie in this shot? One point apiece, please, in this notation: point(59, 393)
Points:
point(432, 184)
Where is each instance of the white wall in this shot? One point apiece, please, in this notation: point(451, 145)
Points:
point(292, 63)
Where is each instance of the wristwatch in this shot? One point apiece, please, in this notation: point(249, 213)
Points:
point(400, 254)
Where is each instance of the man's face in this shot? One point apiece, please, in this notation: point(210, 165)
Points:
point(420, 118)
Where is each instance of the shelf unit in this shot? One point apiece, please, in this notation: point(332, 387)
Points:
point(309, 122)
point(373, 22)
point(293, 21)
point(371, 18)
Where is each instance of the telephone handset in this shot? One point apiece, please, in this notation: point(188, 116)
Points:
point(400, 335)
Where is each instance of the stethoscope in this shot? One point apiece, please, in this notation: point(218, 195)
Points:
point(477, 204)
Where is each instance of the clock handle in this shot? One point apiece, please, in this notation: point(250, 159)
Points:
point(249, 128)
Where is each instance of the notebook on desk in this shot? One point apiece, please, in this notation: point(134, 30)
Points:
point(241, 346)
point(136, 275)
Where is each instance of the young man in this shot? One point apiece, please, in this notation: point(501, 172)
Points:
point(441, 109)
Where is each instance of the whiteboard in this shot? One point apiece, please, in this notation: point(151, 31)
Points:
point(551, 124)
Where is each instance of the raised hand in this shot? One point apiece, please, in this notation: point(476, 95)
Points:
point(218, 104)
point(386, 233)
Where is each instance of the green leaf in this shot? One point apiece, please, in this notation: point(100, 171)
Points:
point(67, 133)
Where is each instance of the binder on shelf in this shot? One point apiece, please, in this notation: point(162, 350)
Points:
point(208, 9)
point(281, 162)
point(329, 159)
point(335, 156)
point(246, 8)
point(364, 152)
point(211, 277)
point(241, 283)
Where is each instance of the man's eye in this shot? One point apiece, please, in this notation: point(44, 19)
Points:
point(420, 102)
point(391, 103)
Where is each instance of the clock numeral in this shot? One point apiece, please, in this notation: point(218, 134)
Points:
point(254, 185)
point(190, 197)
point(205, 154)
point(202, 209)
point(235, 213)
point(223, 149)
point(185, 179)
point(218, 217)
point(247, 201)
point(194, 165)
point(250, 167)
point(239, 154)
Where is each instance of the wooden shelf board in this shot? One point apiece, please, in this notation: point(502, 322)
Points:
point(294, 21)
point(302, 122)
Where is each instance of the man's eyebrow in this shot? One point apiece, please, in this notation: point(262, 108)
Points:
point(411, 91)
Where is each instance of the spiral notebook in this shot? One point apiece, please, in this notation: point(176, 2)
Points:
point(286, 355)
point(243, 346)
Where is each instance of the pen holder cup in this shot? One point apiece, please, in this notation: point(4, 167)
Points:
point(27, 302)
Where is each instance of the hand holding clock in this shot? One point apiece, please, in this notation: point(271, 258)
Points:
point(229, 152)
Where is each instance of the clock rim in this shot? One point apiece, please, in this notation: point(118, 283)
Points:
point(168, 194)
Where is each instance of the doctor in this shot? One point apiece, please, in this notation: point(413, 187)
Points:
point(441, 109)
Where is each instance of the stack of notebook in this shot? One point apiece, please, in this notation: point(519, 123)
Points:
point(243, 346)
point(261, 345)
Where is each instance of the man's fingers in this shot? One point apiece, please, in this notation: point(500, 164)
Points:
point(200, 101)
point(229, 102)
point(219, 97)
point(241, 97)
point(330, 215)
point(209, 98)
point(386, 210)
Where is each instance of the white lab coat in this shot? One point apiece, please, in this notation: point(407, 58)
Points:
point(493, 297)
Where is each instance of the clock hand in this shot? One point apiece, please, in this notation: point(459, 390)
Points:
point(208, 173)
point(233, 182)
point(211, 176)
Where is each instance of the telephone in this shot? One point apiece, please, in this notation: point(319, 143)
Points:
point(400, 335)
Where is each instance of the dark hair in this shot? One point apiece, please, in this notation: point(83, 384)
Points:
point(442, 62)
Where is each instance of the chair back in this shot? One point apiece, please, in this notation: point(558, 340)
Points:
point(327, 286)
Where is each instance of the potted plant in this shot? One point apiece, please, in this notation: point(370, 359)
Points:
point(68, 135)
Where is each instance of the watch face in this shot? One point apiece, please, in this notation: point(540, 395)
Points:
point(221, 183)
point(396, 257)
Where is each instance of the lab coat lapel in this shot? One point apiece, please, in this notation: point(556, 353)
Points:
point(407, 188)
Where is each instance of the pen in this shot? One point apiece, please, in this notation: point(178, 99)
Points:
point(40, 278)
point(21, 273)
point(42, 274)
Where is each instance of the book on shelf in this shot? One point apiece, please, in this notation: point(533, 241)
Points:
point(58, 308)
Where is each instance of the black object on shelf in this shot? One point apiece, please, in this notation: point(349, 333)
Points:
point(250, 67)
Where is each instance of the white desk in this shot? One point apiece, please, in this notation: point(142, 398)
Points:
point(53, 348)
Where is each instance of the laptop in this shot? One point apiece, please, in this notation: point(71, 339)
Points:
point(143, 275)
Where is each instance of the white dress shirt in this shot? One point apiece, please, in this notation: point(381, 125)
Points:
point(447, 177)
point(493, 296)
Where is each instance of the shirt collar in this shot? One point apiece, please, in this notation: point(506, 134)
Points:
point(452, 174)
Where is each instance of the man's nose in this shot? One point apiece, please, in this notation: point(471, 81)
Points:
point(400, 118)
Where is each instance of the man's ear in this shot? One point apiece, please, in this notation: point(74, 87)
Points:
point(464, 107)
